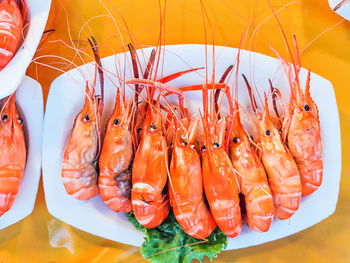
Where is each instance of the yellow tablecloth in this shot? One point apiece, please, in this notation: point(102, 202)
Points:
point(329, 56)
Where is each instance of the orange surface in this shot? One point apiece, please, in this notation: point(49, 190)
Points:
point(329, 56)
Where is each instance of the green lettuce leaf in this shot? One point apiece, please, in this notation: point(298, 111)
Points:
point(134, 221)
point(169, 243)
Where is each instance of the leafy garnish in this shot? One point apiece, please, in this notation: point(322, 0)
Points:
point(169, 243)
point(134, 221)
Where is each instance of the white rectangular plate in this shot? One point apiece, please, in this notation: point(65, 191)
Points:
point(12, 75)
point(29, 99)
point(66, 99)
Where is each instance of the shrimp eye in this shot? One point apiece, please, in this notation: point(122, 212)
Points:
point(268, 132)
point(306, 107)
point(171, 144)
point(203, 148)
point(280, 130)
point(235, 140)
point(252, 138)
point(5, 118)
point(185, 143)
point(153, 126)
point(116, 122)
point(86, 118)
point(139, 130)
point(20, 120)
point(216, 145)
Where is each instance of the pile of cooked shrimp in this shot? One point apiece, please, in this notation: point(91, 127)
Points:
point(149, 162)
point(152, 157)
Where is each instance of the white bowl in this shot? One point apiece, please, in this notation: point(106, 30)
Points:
point(29, 99)
point(12, 75)
point(343, 11)
point(66, 99)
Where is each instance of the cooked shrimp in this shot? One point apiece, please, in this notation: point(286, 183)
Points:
point(257, 204)
point(116, 157)
point(81, 153)
point(149, 173)
point(79, 173)
point(304, 140)
point(282, 171)
point(252, 178)
point(150, 168)
point(219, 179)
point(12, 15)
point(186, 184)
point(303, 133)
point(13, 153)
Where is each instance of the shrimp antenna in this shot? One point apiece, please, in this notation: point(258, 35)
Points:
point(274, 95)
point(230, 124)
point(177, 75)
point(251, 95)
point(217, 92)
point(149, 64)
point(205, 87)
point(284, 38)
point(149, 68)
point(297, 53)
point(341, 4)
point(99, 68)
point(135, 69)
point(137, 91)
point(294, 61)
point(161, 38)
point(94, 47)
